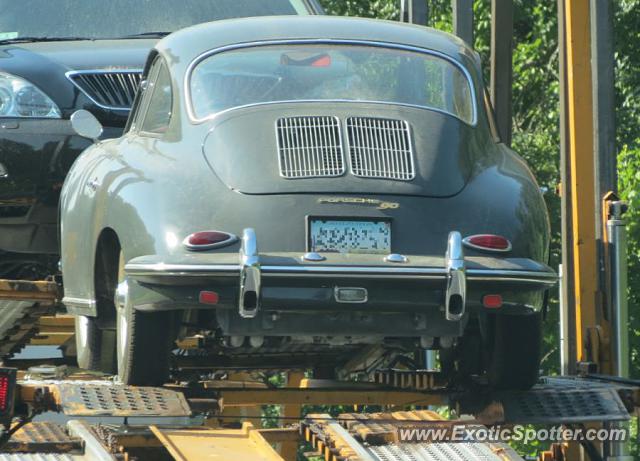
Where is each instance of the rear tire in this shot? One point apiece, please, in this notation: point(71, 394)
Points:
point(94, 347)
point(144, 340)
point(515, 351)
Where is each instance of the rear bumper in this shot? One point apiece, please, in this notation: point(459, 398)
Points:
point(514, 271)
point(251, 284)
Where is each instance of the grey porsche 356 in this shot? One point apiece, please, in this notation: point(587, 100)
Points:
point(307, 180)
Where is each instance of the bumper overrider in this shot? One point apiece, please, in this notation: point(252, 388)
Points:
point(251, 283)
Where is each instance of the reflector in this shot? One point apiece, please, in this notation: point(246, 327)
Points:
point(209, 297)
point(207, 240)
point(492, 301)
point(488, 242)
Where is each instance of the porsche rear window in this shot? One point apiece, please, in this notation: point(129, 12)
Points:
point(332, 72)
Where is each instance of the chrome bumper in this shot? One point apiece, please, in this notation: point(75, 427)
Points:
point(250, 268)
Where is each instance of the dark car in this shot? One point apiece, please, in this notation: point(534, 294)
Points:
point(60, 56)
point(327, 182)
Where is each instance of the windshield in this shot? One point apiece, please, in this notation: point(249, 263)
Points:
point(329, 72)
point(119, 18)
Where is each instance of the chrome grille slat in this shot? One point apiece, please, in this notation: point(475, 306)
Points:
point(310, 147)
point(380, 148)
point(112, 89)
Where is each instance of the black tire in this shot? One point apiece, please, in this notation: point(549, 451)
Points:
point(460, 364)
point(145, 357)
point(95, 348)
point(514, 350)
point(144, 340)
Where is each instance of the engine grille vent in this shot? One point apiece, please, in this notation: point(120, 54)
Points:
point(114, 90)
point(310, 147)
point(380, 148)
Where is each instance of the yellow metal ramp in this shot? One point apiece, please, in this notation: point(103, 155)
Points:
point(219, 444)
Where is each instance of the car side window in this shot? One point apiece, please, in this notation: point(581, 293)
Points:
point(141, 102)
point(158, 113)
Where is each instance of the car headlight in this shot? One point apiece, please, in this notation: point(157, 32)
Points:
point(19, 98)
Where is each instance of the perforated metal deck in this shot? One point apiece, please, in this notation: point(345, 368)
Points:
point(38, 457)
point(42, 437)
point(443, 452)
point(546, 405)
point(375, 437)
point(117, 400)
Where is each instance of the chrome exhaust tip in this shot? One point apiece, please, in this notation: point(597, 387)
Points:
point(455, 297)
point(250, 276)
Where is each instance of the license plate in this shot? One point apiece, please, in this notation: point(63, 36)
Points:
point(344, 236)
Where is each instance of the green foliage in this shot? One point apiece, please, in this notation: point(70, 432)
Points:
point(380, 9)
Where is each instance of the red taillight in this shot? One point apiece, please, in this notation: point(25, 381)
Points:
point(207, 240)
point(488, 242)
point(209, 297)
point(492, 301)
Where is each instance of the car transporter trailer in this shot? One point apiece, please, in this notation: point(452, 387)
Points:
point(51, 411)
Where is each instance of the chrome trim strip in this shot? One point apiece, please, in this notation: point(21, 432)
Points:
point(178, 269)
point(322, 269)
point(327, 41)
point(82, 303)
point(467, 243)
point(490, 273)
point(207, 270)
point(71, 73)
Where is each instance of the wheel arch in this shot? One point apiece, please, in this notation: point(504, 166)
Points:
point(105, 275)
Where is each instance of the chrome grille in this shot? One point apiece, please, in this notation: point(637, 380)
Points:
point(310, 147)
point(113, 89)
point(380, 148)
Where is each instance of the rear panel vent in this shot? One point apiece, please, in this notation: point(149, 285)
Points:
point(310, 147)
point(380, 148)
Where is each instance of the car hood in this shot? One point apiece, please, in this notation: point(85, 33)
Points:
point(242, 149)
point(45, 64)
point(81, 54)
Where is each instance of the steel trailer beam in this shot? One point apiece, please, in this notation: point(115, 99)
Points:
point(589, 337)
point(414, 11)
point(502, 65)
point(609, 239)
point(463, 20)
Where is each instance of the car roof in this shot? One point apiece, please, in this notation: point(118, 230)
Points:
point(182, 47)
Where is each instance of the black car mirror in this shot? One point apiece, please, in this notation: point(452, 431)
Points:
point(86, 124)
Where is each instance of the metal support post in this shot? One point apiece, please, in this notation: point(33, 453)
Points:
point(604, 123)
point(565, 330)
point(289, 449)
point(581, 165)
point(618, 450)
point(502, 65)
point(463, 20)
point(567, 288)
point(617, 243)
point(414, 12)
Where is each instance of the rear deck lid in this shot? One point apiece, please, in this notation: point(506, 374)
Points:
point(347, 148)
